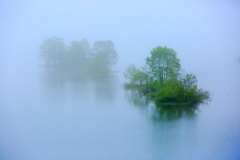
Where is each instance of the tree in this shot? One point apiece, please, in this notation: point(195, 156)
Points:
point(169, 91)
point(86, 46)
point(103, 55)
point(77, 54)
point(161, 81)
point(189, 81)
point(52, 51)
point(139, 77)
point(76, 50)
point(163, 64)
point(130, 71)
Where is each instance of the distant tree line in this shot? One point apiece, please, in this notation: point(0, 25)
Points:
point(78, 56)
point(161, 79)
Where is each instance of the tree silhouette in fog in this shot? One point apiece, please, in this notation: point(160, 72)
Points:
point(78, 56)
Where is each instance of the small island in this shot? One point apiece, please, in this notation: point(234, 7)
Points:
point(162, 81)
point(78, 58)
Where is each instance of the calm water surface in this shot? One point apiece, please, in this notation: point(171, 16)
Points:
point(47, 116)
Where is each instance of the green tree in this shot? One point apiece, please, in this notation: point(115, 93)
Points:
point(130, 71)
point(170, 91)
point(139, 77)
point(163, 64)
point(161, 81)
point(189, 81)
point(52, 51)
point(103, 55)
point(86, 46)
point(77, 54)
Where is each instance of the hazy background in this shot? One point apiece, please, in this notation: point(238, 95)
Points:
point(205, 34)
point(41, 121)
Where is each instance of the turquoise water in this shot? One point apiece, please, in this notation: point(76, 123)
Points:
point(45, 115)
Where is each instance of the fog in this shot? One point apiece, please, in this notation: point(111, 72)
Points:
point(200, 32)
point(205, 35)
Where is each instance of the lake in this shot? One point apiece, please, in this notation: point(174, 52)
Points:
point(47, 115)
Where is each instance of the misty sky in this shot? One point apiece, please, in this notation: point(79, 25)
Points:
point(204, 34)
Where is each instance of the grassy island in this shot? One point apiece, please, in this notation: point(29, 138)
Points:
point(161, 80)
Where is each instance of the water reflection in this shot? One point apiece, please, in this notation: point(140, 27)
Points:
point(101, 91)
point(173, 112)
point(61, 85)
point(160, 113)
point(105, 88)
point(136, 99)
point(53, 79)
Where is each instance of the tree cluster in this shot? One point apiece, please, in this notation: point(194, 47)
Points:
point(162, 80)
point(78, 56)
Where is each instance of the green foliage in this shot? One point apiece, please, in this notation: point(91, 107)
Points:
point(78, 56)
point(163, 64)
point(170, 91)
point(52, 51)
point(135, 76)
point(163, 82)
point(103, 56)
point(189, 81)
point(175, 91)
point(139, 77)
point(129, 72)
point(131, 86)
